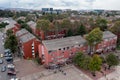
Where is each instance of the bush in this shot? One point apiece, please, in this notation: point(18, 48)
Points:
point(38, 60)
point(112, 60)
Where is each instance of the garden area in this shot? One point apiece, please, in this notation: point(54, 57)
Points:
point(96, 66)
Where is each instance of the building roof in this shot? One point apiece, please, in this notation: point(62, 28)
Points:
point(32, 24)
point(63, 42)
point(108, 34)
point(11, 23)
point(21, 32)
point(27, 37)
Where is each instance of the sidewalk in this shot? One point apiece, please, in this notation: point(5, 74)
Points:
point(112, 76)
point(72, 73)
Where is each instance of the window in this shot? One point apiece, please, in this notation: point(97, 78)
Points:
point(60, 49)
point(67, 47)
point(49, 51)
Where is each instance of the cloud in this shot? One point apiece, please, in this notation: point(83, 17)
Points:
point(107, 4)
point(63, 4)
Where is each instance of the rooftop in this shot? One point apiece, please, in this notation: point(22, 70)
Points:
point(21, 32)
point(63, 42)
point(27, 37)
point(108, 34)
point(32, 24)
point(11, 23)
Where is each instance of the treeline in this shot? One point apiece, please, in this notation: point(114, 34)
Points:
point(8, 13)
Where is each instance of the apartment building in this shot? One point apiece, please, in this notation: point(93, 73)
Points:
point(60, 50)
point(28, 44)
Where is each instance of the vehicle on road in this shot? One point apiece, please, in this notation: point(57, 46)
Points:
point(1, 61)
point(1, 55)
point(3, 68)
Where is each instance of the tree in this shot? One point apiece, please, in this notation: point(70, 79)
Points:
point(112, 60)
point(49, 17)
point(95, 64)
point(69, 33)
point(66, 24)
point(102, 24)
point(9, 33)
point(20, 21)
point(79, 57)
point(30, 17)
point(116, 30)
point(2, 24)
point(81, 30)
point(43, 25)
point(11, 43)
point(85, 63)
point(94, 37)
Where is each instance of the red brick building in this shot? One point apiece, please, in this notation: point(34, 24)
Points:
point(28, 44)
point(109, 42)
point(46, 36)
point(32, 25)
point(60, 50)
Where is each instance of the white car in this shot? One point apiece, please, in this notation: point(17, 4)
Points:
point(1, 55)
point(10, 66)
point(14, 79)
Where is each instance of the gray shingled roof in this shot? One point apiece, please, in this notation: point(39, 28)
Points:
point(32, 24)
point(21, 32)
point(11, 23)
point(108, 34)
point(27, 37)
point(63, 42)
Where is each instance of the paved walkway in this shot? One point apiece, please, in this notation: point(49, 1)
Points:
point(112, 76)
point(72, 73)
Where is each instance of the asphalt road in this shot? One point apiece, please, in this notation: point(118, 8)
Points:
point(3, 75)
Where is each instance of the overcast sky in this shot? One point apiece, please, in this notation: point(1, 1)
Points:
point(62, 4)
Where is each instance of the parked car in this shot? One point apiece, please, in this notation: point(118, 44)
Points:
point(14, 79)
point(11, 72)
point(7, 51)
point(9, 58)
point(1, 61)
point(10, 66)
point(7, 55)
point(1, 55)
point(3, 68)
